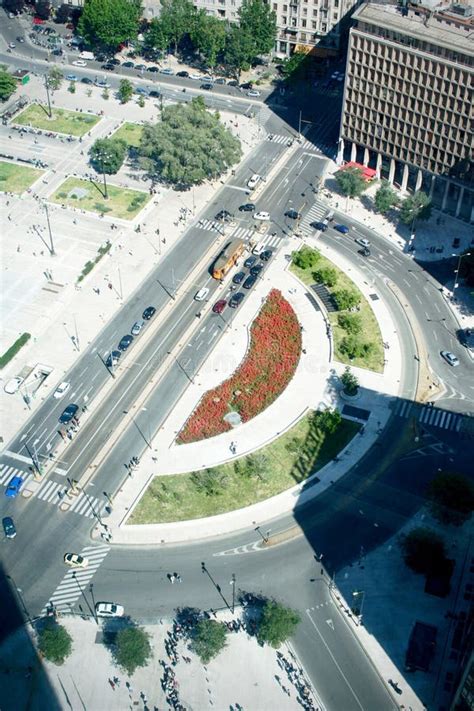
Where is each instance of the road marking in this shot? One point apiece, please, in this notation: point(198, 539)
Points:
point(330, 623)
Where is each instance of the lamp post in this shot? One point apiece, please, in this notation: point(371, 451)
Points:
point(467, 254)
point(264, 537)
point(85, 598)
point(51, 249)
point(101, 155)
point(358, 597)
point(216, 585)
point(232, 582)
point(19, 592)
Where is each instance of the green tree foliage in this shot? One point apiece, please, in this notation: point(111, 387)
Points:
point(189, 145)
point(451, 498)
point(209, 638)
point(351, 182)
point(63, 14)
point(132, 648)
point(385, 198)
point(238, 51)
point(258, 20)
point(254, 465)
point(326, 276)
point(209, 482)
point(295, 67)
point(277, 623)
point(350, 382)
point(327, 421)
point(43, 9)
point(352, 323)
point(72, 87)
point(305, 258)
point(423, 550)
point(7, 85)
point(294, 445)
point(176, 20)
point(55, 78)
point(13, 5)
point(125, 90)
point(55, 642)
point(156, 38)
point(141, 101)
point(108, 23)
point(208, 35)
point(415, 207)
point(353, 347)
point(346, 299)
point(107, 155)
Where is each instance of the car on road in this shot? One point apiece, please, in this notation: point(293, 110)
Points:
point(8, 527)
point(207, 86)
point(250, 281)
point(74, 560)
point(233, 82)
point(149, 312)
point(262, 215)
point(365, 252)
point(12, 45)
point(293, 214)
point(141, 90)
point(113, 359)
point(102, 83)
point(253, 181)
point(20, 39)
point(236, 299)
point(255, 270)
point(153, 69)
point(140, 67)
point(61, 390)
point(196, 76)
point(238, 278)
point(109, 609)
point(362, 241)
point(167, 70)
point(343, 229)
point(266, 255)
point(219, 80)
point(224, 216)
point(79, 63)
point(201, 294)
point(128, 65)
point(13, 385)
point(86, 80)
point(71, 77)
point(253, 92)
point(14, 486)
point(250, 261)
point(219, 306)
point(450, 358)
point(247, 207)
point(137, 328)
point(247, 85)
point(183, 74)
point(154, 94)
point(322, 226)
point(67, 414)
point(108, 67)
point(125, 342)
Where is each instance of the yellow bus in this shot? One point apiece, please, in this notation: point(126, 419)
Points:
point(227, 258)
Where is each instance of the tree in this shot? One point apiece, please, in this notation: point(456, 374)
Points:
point(209, 482)
point(208, 35)
point(239, 49)
point(125, 90)
point(188, 146)
point(352, 347)
point(451, 498)
point(55, 642)
point(7, 85)
point(72, 87)
point(258, 20)
point(415, 207)
point(55, 78)
point(15, 6)
point(176, 20)
point(295, 67)
point(132, 648)
point(255, 464)
point(351, 182)
point(423, 550)
point(350, 382)
point(326, 276)
point(43, 9)
point(305, 258)
point(141, 101)
point(209, 638)
point(277, 623)
point(327, 421)
point(346, 299)
point(107, 23)
point(352, 323)
point(156, 38)
point(107, 155)
point(63, 14)
point(385, 198)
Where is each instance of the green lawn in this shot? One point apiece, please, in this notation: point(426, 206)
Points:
point(130, 133)
point(63, 121)
point(122, 202)
point(370, 328)
point(17, 178)
point(288, 460)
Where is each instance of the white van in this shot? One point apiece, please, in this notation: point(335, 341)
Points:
point(259, 248)
point(87, 55)
point(253, 181)
point(201, 294)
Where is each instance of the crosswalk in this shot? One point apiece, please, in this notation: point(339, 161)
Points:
point(426, 415)
point(75, 582)
point(7, 473)
point(283, 139)
point(244, 233)
point(316, 213)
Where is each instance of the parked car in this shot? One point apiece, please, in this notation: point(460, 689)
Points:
point(14, 486)
point(248, 207)
point(61, 390)
point(113, 359)
point(67, 414)
point(108, 67)
point(207, 86)
point(343, 229)
point(201, 294)
point(183, 74)
point(140, 67)
point(219, 80)
point(266, 255)
point(250, 281)
point(125, 342)
point(262, 215)
point(13, 385)
point(450, 358)
point(219, 306)
point(256, 269)
point(71, 77)
point(109, 609)
point(238, 278)
point(250, 261)
point(154, 94)
point(253, 92)
point(128, 65)
point(166, 70)
point(74, 560)
point(153, 69)
point(247, 85)
point(233, 82)
point(149, 312)
point(137, 328)
point(8, 527)
point(236, 299)
point(79, 63)
point(86, 80)
point(141, 90)
point(196, 76)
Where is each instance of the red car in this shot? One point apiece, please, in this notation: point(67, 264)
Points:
point(219, 306)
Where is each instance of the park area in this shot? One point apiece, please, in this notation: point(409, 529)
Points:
point(313, 442)
point(131, 133)
point(121, 203)
point(17, 178)
point(70, 123)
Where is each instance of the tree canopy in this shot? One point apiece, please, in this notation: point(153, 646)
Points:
point(238, 51)
point(189, 145)
point(451, 498)
point(7, 85)
point(351, 181)
point(55, 78)
point(107, 155)
point(125, 90)
point(176, 20)
point(415, 207)
point(132, 648)
point(258, 21)
point(108, 23)
point(209, 638)
point(385, 198)
point(423, 550)
point(55, 642)
point(208, 35)
point(277, 623)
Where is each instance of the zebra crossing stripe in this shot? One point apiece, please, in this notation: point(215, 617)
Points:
point(47, 490)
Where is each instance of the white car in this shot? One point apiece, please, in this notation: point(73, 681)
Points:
point(198, 77)
point(201, 294)
point(253, 181)
point(109, 609)
point(264, 216)
point(450, 358)
point(75, 561)
point(61, 390)
point(362, 241)
point(12, 386)
point(79, 63)
point(253, 92)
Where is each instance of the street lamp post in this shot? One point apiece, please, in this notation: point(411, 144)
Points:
point(232, 582)
point(91, 610)
point(467, 254)
point(51, 249)
point(19, 592)
point(264, 537)
point(216, 585)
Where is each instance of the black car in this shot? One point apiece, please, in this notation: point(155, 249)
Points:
point(207, 86)
point(319, 226)
point(125, 342)
point(108, 67)
point(250, 281)
point(113, 359)
point(152, 69)
point(248, 207)
point(149, 312)
point(86, 80)
point(238, 278)
point(293, 214)
point(182, 74)
point(255, 271)
point(154, 93)
point(128, 65)
point(233, 82)
point(139, 67)
point(236, 300)
point(67, 414)
point(365, 251)
point(114, 61)
point(250, 261)
point(247, 85)
point(266, 255)
point(224, 215)
point(9, 527)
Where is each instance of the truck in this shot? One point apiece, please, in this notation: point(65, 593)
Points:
point(227, 258)
point(87, 55)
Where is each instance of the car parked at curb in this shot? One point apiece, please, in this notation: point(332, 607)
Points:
point(113, 359)
point(236, 299)
point(182, 74)
point(238, 278)
point(250, 281)
point(128, 65)
point(266, 255)
point(149, 312)
point(257, 268)
point(68, 413)
point(79, 63)
point(71, 77)
point(14, 486)
point(250, 261)
point(137, 328)
point(125, 342)
point(253, 92)
point(167, 70)
point(86, 80)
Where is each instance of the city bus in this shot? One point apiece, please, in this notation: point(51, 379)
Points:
point(227, 258)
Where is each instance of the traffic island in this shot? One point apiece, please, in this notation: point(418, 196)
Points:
point(17, 178)
point(121, 203)
point(69, 123)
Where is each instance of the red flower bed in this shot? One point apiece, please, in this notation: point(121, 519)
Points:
point(268, 367)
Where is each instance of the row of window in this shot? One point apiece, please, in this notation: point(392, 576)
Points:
point(416, 98)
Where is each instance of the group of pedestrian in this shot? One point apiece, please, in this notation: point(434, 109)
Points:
point(297, 679)
point(174, 578)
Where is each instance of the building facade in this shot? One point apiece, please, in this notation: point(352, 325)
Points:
point(408, 101)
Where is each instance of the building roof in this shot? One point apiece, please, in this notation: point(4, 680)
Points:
point(424, 28)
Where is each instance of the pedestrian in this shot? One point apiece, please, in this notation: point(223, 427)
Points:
point(117, 680)
point(18, 249)
point(178, 577)
point(112, 684)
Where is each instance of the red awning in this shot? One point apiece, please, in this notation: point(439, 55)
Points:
point(368, 173)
